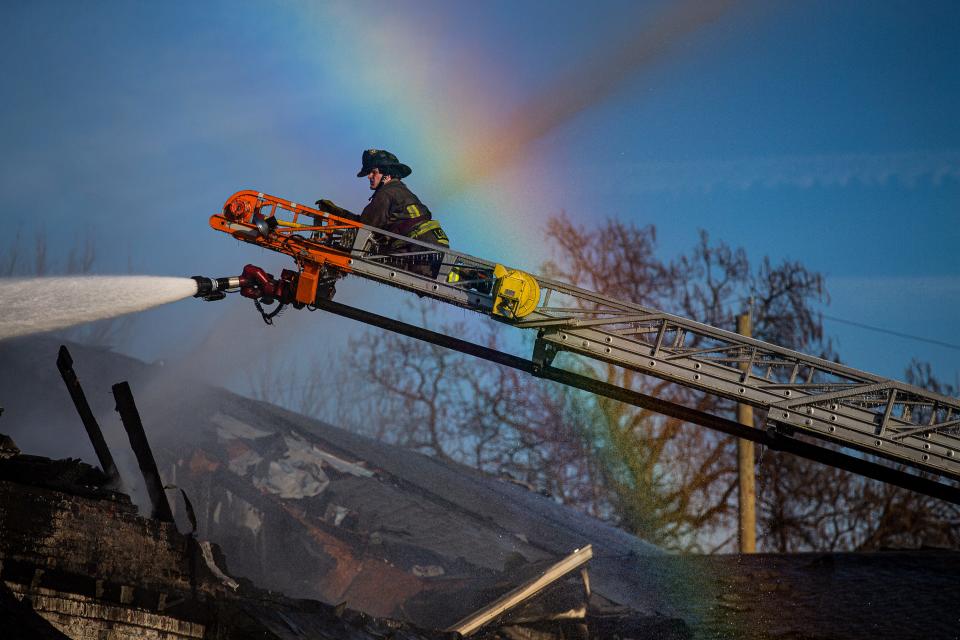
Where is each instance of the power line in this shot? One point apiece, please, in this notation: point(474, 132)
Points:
point(892, 333)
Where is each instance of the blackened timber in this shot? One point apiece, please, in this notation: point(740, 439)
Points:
point(770, 437)
point(65, 365)
point(130, 417)
point(576, 560)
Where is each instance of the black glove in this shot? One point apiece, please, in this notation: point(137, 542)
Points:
point(328, 205)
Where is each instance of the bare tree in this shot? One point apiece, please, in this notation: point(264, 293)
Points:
point(40, 258)
point(11, 256)
point(301, 388)
point(670, 482)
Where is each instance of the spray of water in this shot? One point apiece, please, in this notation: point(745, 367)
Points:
point(34, 305)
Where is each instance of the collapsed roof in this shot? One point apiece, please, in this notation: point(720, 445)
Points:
point(313, 511)
point(302, 507)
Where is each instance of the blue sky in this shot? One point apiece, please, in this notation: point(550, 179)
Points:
point(825, 132)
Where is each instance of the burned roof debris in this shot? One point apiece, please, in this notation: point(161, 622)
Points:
point(90, 566)
point(321, 515)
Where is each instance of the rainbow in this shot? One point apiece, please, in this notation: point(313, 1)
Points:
point(435, 126)
point(451, 111)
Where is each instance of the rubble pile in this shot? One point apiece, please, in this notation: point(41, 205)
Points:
point(91, 566)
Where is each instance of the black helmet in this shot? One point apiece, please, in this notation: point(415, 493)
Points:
point(385, 161)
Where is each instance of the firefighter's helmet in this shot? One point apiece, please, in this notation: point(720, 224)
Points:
point(385, 161)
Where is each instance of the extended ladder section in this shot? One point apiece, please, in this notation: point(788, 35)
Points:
point(798, 393)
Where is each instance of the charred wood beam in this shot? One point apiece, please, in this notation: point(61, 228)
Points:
point(65, 365)
point(141, 448)
point(777, 440)
point(469, 625)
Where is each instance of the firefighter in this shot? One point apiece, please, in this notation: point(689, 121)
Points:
point(393, 207)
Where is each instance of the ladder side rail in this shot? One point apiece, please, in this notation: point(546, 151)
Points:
point(805, 393)
point(822, 364)
point(396, 276)
point(357, 250)
point(711, 331)
point(842, 423)
point(826, 366)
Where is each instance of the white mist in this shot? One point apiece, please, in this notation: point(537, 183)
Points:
point(34, 305)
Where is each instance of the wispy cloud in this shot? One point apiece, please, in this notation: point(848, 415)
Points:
point(907, 169)
point(883, 288)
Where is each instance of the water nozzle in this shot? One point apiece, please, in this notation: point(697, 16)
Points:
point(211, 289)
point(256, 284)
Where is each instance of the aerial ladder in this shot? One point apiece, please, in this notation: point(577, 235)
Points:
point(843, 412)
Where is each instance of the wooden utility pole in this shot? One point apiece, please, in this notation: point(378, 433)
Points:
point(747, 480)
